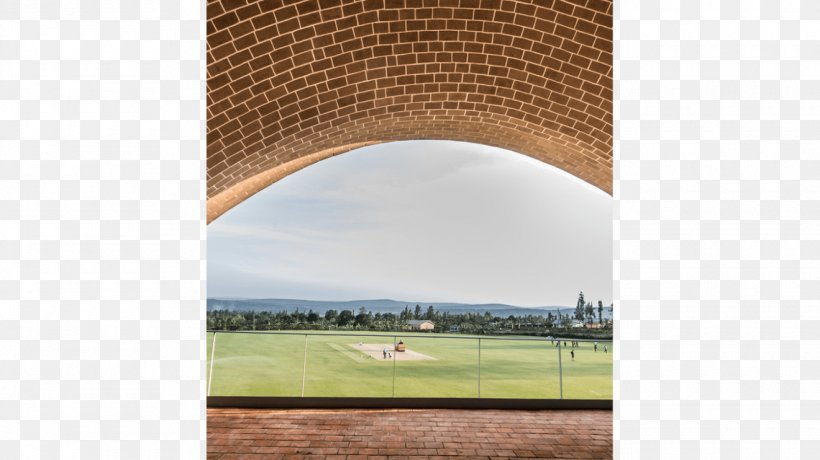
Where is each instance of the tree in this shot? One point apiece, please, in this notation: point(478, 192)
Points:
point(389, 320)
point(363, 319)
point(431, 314)
point(345, 318)
point(330, 316)
point(312, 317)
point(417, 314)
point(283, 320)
point(511, 321)
point(589, 312)
point(579, 307)
point(298, 317)
point(237, 321)
point(600, 312)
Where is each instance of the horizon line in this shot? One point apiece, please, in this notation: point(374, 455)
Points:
point(393, 300)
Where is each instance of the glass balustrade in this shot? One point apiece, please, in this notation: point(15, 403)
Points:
point(256, 364)
point(519, 369)
point(586, 369)
point(411, 365)
point(437, 367)
point(348, 366)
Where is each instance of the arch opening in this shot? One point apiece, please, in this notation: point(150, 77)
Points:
point(482, 241)
point(447, 201)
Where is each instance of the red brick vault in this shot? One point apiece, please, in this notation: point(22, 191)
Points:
point(291, 83)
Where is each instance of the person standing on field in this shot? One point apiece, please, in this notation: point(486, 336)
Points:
point(572, 353)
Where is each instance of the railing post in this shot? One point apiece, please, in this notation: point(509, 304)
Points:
point(479, 367)
point(560, 373)
point(304, 368)
point(211, 373)
point(394, 367)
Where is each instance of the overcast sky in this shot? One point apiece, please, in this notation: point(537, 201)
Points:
point(432, 221)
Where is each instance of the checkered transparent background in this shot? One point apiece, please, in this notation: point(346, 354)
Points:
point(102, 229)
point(717, 254)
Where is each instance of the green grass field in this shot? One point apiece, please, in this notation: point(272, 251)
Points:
point(272, 365)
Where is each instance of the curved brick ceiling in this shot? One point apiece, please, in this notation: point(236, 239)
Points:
point(291, 83)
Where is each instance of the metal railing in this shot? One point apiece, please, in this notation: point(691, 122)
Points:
point(291, 337)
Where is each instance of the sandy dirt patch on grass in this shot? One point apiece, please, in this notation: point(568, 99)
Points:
point(376, 351)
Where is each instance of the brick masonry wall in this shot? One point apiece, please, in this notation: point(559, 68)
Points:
point(290, 83)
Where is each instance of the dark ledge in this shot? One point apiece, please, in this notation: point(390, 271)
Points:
point(286, 402)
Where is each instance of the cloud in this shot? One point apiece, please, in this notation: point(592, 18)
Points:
point(428, 220)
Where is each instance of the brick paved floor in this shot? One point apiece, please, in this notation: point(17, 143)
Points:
point(408, 434)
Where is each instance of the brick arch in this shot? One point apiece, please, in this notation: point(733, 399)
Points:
point(291, 83)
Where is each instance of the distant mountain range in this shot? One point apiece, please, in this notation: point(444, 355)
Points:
point(382, 306)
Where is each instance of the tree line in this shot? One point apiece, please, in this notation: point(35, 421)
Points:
point(466, 322)
point(585, 312)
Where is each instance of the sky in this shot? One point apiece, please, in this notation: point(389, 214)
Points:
point(427, 221)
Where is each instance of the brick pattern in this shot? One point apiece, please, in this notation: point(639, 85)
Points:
point(288, 79)
point(408, 434)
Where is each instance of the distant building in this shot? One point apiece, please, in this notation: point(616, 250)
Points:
point(422, 325)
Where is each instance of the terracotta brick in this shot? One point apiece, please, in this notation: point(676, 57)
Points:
point(327, 75)
point(224, 21)
point(241, 29)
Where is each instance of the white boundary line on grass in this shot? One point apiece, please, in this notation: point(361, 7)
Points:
point(211, 373)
